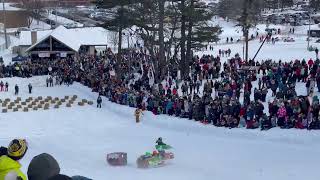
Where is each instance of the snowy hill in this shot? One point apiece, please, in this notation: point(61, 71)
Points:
point(80, 137)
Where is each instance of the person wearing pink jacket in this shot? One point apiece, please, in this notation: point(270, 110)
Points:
point(282, 114)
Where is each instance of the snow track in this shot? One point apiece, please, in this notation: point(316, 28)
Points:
point(80, 138)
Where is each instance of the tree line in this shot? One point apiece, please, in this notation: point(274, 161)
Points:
point(170, 29)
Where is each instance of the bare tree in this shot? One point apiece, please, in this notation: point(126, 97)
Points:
point(114, 39)
point(33, 8)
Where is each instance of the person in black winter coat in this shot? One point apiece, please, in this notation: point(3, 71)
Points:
point(16, 90)
point(3, 151)
point(30, 88)
point(265, 122)
point(99, 102)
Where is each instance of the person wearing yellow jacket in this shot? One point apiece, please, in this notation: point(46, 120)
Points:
point(9, 163)
point(138, 113)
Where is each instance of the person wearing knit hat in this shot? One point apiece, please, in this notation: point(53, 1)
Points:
point(9, 165)
point(43, 167)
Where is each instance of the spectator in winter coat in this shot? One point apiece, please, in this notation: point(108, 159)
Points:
point(43, 166)
point(138, 113)
point(30, 88)
point(282, 114)
point(265, 122)
point(99, 102)
point(7, 87)
point(16, 90)
point(1, 86)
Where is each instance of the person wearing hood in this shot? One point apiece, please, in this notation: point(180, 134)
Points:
point(43, 166)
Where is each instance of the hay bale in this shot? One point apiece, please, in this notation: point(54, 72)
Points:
point(56, 106)
point(4, 110)
point(7, 100)
point(56, 99)
point(0, 100)
point(25, 109)
point(80, 103)
point(12, 104)
point(19, 98)
point(53, 102)
point(9, 107)
point(42, 102)
point(66, 97)
point(68, 105)
point(75, 96)
point(19, 106)
point(34, 103)
point(90, 102)
point(49, 97)
point(46, 105)
point(4, 104)
point(35, 108)
point(30, 106)
point(23, 103)
point(15, 109)
point(39, 106)
point(28, 100)
point(46, 108)
point(40, 97)
point(59, 103)
point(63, 100)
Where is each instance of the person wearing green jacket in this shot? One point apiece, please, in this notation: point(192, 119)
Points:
point(9, 162)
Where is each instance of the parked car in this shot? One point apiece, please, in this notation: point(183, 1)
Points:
point(288, 39)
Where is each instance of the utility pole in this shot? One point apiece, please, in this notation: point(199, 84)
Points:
point(4, 24)
point(309, 31)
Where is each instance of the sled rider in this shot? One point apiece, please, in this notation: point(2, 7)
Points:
point(160, 147)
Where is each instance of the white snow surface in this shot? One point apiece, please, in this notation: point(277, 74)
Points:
point(80, 137)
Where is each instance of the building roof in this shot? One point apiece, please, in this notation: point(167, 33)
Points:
point(73, 38)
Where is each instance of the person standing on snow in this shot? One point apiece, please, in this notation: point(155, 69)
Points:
point(30, 88)
point(16, 90)
point(99, 102)
point(317, 53)
point(1, 86)
point(138, 113)
point(47, 82)
point(7, 87)
point(9, 157)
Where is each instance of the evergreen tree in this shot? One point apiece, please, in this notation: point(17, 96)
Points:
point(315, 4)
point(121, 18)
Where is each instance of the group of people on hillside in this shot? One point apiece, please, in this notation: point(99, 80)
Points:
point(42, 167)
point(215, 93)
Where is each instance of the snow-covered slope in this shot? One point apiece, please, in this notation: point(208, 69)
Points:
point(80, 138)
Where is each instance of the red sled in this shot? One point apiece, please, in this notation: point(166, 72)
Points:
point(117, 159)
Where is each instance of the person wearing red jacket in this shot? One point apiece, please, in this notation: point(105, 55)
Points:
point(310, 63)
